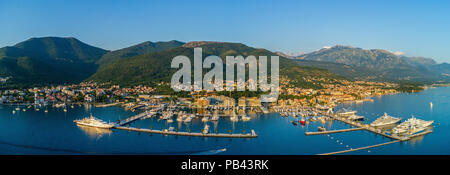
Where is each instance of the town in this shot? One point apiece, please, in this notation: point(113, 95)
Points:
point(104, 94)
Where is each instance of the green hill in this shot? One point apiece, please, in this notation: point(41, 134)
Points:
point(155, 67)
point(139, 49)
point(48, 60)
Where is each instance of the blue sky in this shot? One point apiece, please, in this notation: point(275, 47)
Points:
point(417, 28)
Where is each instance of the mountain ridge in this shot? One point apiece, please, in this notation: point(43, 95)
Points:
point(138, 49)
point(383, 65)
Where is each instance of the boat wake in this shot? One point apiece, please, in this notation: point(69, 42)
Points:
point(72, 151)
point(44, 148)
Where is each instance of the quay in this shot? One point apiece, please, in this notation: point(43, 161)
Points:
point(250, 135)
point(333, 131)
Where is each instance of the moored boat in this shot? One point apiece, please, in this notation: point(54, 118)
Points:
point(385, 120)
point(93, 122)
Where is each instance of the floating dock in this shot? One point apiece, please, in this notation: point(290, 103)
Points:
point(250, 135)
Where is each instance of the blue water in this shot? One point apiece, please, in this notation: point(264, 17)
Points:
point(33, 132)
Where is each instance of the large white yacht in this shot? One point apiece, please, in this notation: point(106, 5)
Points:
point(412, 125)
point(93, 122)
point(345, 113)
point(385, 120)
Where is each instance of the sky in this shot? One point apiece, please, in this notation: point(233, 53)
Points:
point(415, 28)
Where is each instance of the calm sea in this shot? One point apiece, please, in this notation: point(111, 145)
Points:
point(36, 132)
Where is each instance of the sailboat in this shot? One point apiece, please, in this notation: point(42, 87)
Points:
point(431, 104)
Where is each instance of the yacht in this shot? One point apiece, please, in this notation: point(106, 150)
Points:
point(345, 113)
point(385, 120)
point(356, 117)
point(93, 122)
point(412, 125)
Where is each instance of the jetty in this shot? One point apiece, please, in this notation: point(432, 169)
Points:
point(138, 116)
point(357, 149)
point(197, 134)
point(333, 131)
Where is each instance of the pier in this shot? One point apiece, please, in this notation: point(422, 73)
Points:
point(333, 131)
point(357, 149)
point(197, 134)
point(138, 116)
point(133, 118)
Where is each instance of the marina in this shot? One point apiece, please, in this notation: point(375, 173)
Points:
point(204, 133)
point(139, 133)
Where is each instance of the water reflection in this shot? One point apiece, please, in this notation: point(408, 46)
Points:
point(95, 133)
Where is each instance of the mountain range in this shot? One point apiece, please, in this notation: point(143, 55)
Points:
point(57, 60)
point(375, 64)
point(154, 67)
